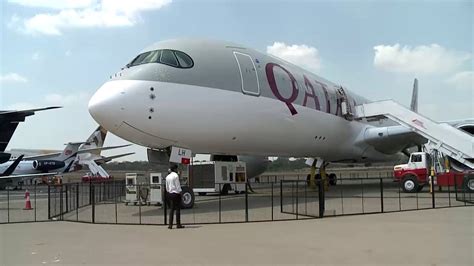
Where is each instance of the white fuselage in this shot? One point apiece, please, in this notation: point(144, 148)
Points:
point(159, 114)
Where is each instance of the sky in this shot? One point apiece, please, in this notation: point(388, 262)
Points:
point(59, 52)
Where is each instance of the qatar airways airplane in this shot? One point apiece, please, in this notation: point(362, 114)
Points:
point(222, 98)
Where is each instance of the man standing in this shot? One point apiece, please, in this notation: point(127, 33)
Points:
point(173, 189)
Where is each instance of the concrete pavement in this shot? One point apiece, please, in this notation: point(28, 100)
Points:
point(429, 237)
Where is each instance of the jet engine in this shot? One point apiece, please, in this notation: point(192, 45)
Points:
point(47, 165)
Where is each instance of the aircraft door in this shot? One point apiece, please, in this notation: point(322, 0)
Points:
point(248, 74)
point(345, 105)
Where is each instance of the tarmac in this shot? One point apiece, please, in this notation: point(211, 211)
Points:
point(426, 237)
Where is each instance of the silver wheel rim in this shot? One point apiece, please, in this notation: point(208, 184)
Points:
point(470, 184)
point(187, 198)
point(409, 185)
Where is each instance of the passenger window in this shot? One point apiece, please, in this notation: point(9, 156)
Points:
point(168, 58)
point(184, 60)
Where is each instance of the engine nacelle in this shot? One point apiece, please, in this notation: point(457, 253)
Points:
point(47, 165)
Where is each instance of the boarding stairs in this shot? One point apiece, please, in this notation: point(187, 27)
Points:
point(443, 137)
point(96, 170)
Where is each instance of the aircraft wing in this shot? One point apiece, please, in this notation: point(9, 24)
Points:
point(27, 176)
point(392, 139)
point(110, 158)
point(42, 156)
point(12, 167)
point(102, 148)
point(9, 121)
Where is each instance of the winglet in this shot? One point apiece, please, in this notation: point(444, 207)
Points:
point(12, 167)
point(414, 97)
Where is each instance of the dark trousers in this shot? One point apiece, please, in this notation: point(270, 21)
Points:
point(175, 203)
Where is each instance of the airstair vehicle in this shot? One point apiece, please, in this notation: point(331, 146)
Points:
point(443, 137)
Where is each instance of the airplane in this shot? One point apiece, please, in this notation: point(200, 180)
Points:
point(9, 121)
point(15, 172)
point(95, 140)
point(221, 98)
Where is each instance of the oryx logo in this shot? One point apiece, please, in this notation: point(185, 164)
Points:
point(418, 123)
point(68, 152)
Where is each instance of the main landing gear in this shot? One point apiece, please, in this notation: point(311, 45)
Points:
point(319, 165)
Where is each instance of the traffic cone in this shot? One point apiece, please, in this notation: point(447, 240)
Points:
point(28, 201)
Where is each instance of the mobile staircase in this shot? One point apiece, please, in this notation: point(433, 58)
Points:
point(443, 137)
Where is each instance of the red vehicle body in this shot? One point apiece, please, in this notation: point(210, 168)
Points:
point(94, 178)
point(415, 174)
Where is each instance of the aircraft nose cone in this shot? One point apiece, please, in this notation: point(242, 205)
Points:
point(104, 106)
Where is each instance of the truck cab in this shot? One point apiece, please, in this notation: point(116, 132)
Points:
point(414, 174)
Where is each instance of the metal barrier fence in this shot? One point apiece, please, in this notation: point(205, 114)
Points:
point(367, 196)
point(285, 199)
point(13, 207)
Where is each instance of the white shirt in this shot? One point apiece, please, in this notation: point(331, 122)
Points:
point(172, 183)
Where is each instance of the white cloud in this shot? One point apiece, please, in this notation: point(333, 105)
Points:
point(462, 80)
point(54, 4)
point(421, 59)
point(87, 14)
point(35, 56)
point(68, 53)
point(301, 55)
point(13, 78)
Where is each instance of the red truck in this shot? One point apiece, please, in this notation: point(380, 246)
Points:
point(415, 174)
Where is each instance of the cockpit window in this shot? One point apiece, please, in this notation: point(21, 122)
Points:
point(183, 59)
point(168, 57)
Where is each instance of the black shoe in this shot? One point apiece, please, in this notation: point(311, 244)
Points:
point(180, 226)
point(170, 227)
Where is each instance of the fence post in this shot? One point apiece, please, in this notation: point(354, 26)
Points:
point(49, 202)
point(92, 192)
point(115, 201)
point(362, 186)
point(220, 203)
point(61, 207)
point(381, 195)
point(433, 193)
point(8, 205)
point(35, 198)
point(321, 198)
point(399, 197)
point(272, 199)
point(281, 196)
point(297, 197)
point(77, 201)
point(165, 203)
point(246, 203)
point(67, 199)
point(449, 191)
point(140, 205)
